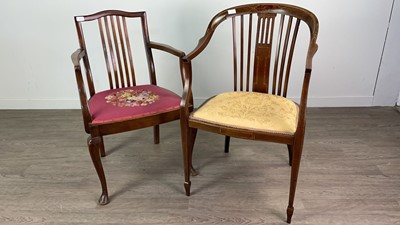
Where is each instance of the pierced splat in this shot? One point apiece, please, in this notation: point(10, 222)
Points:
point(265, 53)
point(262, 57)
point(263, 37)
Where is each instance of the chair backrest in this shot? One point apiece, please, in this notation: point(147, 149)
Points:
point(264, 39)
point(116, 44)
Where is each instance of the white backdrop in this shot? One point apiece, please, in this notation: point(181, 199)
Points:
point(37, 38)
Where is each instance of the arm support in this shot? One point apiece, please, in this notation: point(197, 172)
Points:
point(76, 58)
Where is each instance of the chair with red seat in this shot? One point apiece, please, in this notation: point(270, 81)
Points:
point(123, 105)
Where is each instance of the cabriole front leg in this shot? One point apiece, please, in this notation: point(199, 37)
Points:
point(94, 144)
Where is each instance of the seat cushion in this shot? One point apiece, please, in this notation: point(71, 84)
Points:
point(250, 110)
point(132, 102)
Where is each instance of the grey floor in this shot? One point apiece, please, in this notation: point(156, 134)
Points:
point(350, 173)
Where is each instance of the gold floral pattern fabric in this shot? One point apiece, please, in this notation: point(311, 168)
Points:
point(131, 98)
point(250, 110)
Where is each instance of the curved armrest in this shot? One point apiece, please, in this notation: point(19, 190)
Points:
point(203, 41)
point(202, 44)
point(76, 58)
point(166, 48)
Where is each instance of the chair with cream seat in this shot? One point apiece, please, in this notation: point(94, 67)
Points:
point(265, 41)
point(121, 104)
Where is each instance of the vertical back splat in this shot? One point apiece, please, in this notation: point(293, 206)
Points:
point(234, 54)
point(263, 47)
point(117, 51)
point(270, 70)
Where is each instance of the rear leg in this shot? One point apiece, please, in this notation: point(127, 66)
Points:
point(227, 142)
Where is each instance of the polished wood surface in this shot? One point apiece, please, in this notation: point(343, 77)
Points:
point(269, 53)
point(116, 44)
point(350, 173)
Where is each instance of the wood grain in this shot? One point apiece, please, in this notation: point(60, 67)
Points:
point(350, 173)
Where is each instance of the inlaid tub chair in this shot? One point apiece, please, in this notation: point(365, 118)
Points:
point(121, 104)
point(264, 41)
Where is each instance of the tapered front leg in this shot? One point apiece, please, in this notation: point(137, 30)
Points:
point(94, 150)
point(185, 153)
point(297, 151)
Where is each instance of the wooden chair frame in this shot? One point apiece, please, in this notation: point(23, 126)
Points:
point(294, 142)
point(116, 30)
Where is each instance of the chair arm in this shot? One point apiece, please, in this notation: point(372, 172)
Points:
point(76, 58)
point(304, 98)
point(203, 41)
point(187, 103)
point(306, 81)
point(201, 45)
point(166, 48)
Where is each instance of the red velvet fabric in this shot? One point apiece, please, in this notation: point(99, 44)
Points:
point(103, 112)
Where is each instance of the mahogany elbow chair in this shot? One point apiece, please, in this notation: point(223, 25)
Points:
point(264, 38)
point(124, 105)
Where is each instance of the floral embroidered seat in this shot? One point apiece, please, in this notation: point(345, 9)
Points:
point(126, 105)
point(132, 102)
point(250, 110)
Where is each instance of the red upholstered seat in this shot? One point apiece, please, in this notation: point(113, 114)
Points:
point(122, 107)
point(103, 110)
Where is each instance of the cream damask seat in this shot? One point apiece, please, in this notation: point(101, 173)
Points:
point(250, 110)
point(266, 39)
